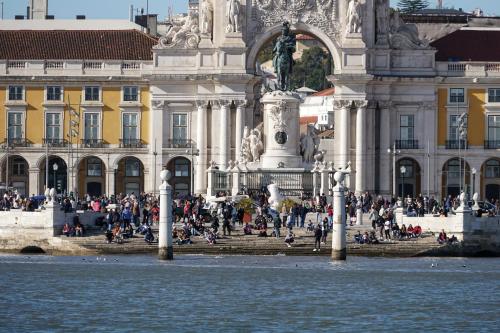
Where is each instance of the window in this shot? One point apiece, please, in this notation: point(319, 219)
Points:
point(181, 168)
point(494, 95)
point(406, 127)
point(130, 131)
point(179, 128)
point(92, 94)
point(94, 167)
point(16, 93)
point(130, 94)
point(132, 188)
point(454, 171)
point(493, 169)
point(494, 128)
point(457, 95)
point(408, 164)
point(132, 167)
point(18, 167)
point(453, 130)
point(54, 93)
point(52, 125)
point(91, 126)
point(15, 125)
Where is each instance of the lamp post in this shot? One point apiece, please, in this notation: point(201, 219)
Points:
point(403, 171)
point(155, 153)
point(394, 153)
point(55, 167)
point(473, 171)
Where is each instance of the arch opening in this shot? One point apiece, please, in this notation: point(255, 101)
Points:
point(454, 178)
point(91, 177)
point(490, 179)
point(57, 174)
point(14, 171)
point(409, 182)
point(181, 170)
point(129, 176)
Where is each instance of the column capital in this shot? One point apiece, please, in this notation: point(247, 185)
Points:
point(202, 103)
point(342, 104)
point(361, 104)
point(34, 170)
point(224, 103)
point(384, 104)
point(159, 104)
point(242, 103)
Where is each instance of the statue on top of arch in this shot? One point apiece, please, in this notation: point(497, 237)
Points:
point(354, 21)
point(283, 56)
point(233, 9)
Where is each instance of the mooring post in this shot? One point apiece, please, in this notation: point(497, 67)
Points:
point(165, 242)
point(339, 230)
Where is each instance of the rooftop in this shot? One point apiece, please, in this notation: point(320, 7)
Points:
point(326, 92)
point(76, 44)
point(68, 25)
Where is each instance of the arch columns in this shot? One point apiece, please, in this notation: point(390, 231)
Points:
point(110, 181)
point(360, 145)
point(224, 136)
point(34, 174)
point(200, 184)
point(344, 131)
point(240, 122)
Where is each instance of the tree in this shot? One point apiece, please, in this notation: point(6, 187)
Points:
point(311, 69)
point(408, 6)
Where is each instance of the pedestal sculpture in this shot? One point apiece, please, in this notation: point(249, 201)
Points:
point(165, 242)
point(281, 130)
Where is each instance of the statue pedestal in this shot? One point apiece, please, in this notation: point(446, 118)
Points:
point(234, 39)
point(281, 130)
point(205, 42)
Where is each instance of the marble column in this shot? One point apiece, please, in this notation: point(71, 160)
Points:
point(344, 128)
point(200, 184)
point(34, 182)
point(224, 133)
point(360, 145)
point(240, 123)
point(385, 143)
point(110, 182)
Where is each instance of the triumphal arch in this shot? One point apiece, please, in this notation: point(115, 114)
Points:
point(206, 68)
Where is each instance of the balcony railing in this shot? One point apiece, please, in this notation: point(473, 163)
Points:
point(16, 142)
point(456, 144)
point(492, 144)
point(180, 143)
point(51, 142)
point(406, 144)
point(131, 143)
point(92, 143)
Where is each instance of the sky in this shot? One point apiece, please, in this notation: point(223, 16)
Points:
point(119, 9)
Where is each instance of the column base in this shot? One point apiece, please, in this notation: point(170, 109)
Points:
point(166, 253)
point(339, 254)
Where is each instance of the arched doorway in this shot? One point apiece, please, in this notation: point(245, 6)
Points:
point(181, 170)
point(91, 177)
point(15, 175)
point(129, 176)
point(453, 178)
point(490, 179)
point(57, 175)
point(409, 183)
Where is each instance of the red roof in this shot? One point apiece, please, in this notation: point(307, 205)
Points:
point(304, 37)
point(326, 92)
point(469, 45)
point(308, 120)
point(75, 44)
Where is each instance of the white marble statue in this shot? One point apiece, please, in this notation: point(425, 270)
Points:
point(252, 146)
point(382, 16)
point(354, 22)
point(206, 17)
point(308, 144)
point(233, 9)
point(275, 197)
point(320, 156)
point(405, 36)
point(183, 33)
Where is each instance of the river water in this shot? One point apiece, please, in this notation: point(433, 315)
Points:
point(248, 294)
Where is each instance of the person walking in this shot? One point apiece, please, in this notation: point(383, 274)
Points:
point(277, 226)
point(324, 230)
point(317, 238)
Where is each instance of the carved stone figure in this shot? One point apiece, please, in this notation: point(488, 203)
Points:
point(252, 146)
point(405, 36)
point(283, 59)
point(206, 17)
point(320, 156)
point(382, 16)
point(183, 33)
point(233, 16)
point(354, 22)
point(275, 197)
point(308, 144)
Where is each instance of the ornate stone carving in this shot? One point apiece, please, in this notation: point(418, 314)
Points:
point(321, 14)
point(206, 17)
point(158, 103)
point(320, 156)
point(309, 144)
point(405, 36)
point(184, 33)
point(354, 15)
point(342, 104)
point(361, 104)
point(279, 115)
point(252, 146)
point(382, 20)
point(233, 9)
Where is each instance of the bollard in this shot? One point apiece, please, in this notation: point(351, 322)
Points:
point(165, 242)
point(338, 232)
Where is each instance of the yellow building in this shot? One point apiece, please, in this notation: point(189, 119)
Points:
point(91, 117)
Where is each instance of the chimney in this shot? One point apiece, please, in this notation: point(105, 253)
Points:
point(28, 10)
point(19, 17)
point(131, 13)
point(80, 17)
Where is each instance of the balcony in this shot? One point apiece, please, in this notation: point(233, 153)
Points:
point(92, 143)
point(132, 143)
point(406, 144)
point(51, 142)
point(180, 143)
point(16, 142)
point(468, 69)
point(456, 144)
point(492, 144)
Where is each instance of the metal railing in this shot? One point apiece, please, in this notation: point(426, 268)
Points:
point(492, 144)
point(289, 183)
point(131, 143)
point(180, 143)
point(55, 142)
point(92, 143)
point(16, 142)
point(456, 144)
point(406, 144)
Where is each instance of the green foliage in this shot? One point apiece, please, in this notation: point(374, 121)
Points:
point(408, 6)
point(246, 204)
point(311, 69)
point(288, 203)
point(265, 54)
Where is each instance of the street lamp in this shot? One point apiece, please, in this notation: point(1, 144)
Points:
point(403, 171)
point(394, 153)
point(155, 153)
point(6, 147)
point(55, 167)
point(473, 171)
